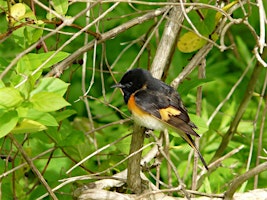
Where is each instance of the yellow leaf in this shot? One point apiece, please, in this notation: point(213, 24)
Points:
point(190, 42)
point(17, 11)
point(28, 126)
point(219, 15)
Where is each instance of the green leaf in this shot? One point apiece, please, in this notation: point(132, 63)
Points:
point(64, 114)
point(207, 26)
point(32, 34)
point(9, 97)
point(48, 102)
point(2, 85)
point(31, 61)
point(187, 86)
point(61, 6)
point(42, 117)
point(244, 50)
point(200, 123)
point(28, 126)
point(8, 122)
point(51, 84)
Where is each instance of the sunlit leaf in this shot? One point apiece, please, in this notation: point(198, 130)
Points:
point(42, 117)
point(51, 84)
point(17, 11)
point(64, 114)
point(28, 126)
point(61, 6)
point(32, 61)
point(47, 101)
point(9, 97)
point(8, 122)
point(225, 8)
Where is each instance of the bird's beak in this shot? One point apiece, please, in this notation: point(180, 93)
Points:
point(118, 85)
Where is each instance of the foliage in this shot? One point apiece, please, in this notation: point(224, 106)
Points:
point(56, 73)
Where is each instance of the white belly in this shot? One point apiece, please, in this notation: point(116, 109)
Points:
point(148, 122)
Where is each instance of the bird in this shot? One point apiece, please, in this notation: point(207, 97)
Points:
point(156, 105)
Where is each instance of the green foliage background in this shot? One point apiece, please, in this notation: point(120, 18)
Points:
point(33, 111)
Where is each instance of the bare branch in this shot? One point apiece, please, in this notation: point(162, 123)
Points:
point(240, 179)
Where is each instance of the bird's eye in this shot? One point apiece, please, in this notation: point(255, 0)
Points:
point(129, 84)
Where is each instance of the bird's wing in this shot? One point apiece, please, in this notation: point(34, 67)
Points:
point(161, 106)
point(167, 109)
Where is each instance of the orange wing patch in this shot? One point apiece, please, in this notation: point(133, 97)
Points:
point(165, 113)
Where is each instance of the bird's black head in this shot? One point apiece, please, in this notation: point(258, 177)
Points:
point(132, 81)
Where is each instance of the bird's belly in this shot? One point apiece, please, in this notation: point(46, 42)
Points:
point(148, 122)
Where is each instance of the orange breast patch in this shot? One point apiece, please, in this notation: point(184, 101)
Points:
point(135, 109)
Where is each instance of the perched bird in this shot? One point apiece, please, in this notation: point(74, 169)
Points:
point(156, 105)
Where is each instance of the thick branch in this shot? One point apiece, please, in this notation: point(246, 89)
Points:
point(167, 43)
point(134, 168)
point(242, 178)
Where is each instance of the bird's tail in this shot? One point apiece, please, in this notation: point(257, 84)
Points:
point(192, 143)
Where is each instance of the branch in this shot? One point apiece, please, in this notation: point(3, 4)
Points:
point(58, 69)
point(241, 109)
point(134, 168)
point(242, 178)
point(32, 166)
point(167, 43)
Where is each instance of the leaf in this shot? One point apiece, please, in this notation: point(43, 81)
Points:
point(42, 117)
point(207, 26)
point(2, 85)
point(51, 84)
point(187, 86)
point(48, 102)
point(64, 114)
point(8, 122)
point(28, 126)
point(200, 123)
point(9, 97)
point(61, 6)
point(32, 34)
point(219, 15)
point(190, 42)
point(31, 61)
point(244, 50)
point(17, 11)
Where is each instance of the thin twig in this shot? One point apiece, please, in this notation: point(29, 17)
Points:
point(23, 164)
point(240, 111)
point(212, 166)
point(263, 121)
point(230, 92)
point(57, 70)
point(97, 152)
point(160, 148)
point(201, 75)
point(262, 18)
point(32, 166)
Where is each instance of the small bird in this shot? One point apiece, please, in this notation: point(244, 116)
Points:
point(156, 105)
